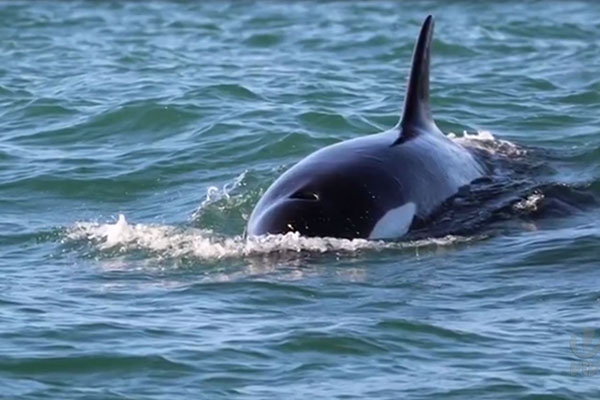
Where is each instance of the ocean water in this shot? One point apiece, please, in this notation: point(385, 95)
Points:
point(136, 137)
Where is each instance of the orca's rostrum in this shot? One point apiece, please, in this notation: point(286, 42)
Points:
point(373, 186)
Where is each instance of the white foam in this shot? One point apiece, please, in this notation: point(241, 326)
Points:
point(531, 203)
point(174, 242)
point(484, 140)
point(483, 136)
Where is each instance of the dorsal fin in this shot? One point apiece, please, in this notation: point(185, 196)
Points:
point(417, 112)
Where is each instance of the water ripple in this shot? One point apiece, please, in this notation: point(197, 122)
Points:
point(180, 114)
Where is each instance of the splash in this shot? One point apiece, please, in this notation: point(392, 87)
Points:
point(215, 195)
point(175, 242)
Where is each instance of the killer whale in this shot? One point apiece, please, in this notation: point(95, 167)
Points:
point(373, 186)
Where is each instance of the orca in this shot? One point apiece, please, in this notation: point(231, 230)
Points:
point(374, 186)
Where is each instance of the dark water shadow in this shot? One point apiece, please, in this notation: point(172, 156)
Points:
point(523, 185)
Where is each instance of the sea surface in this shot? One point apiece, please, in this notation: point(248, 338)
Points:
point(136, 137)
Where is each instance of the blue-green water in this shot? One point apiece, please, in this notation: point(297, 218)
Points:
point(179, 115)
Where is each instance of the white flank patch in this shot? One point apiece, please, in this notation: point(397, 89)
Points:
point(394, 223)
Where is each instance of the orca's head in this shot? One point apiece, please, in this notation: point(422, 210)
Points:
point(343, 200)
